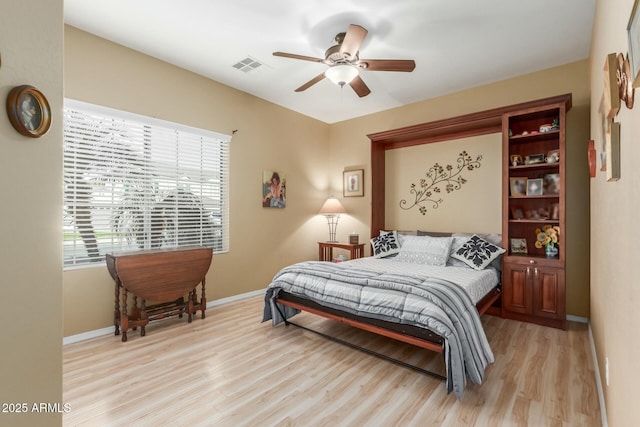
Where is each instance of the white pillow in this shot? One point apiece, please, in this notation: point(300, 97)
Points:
point(385, 244)
point(477, 253)
point(425, 250)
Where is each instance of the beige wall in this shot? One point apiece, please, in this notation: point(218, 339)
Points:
point(350, 146)
point(269, 138)
point(482, 191)
point(615, 231)
point(30, 251)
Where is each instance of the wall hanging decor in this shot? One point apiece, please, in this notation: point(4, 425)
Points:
point(353, 183)
point(613, 152)
point(28, 111)
point(623, 79)
point(438, 179)
point(611, 96)
point(591, 153)
point(274, 190)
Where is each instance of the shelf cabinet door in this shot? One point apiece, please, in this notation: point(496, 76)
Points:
point(516, 293)
point(548, 292)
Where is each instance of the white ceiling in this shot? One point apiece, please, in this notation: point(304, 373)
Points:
point(456, 44)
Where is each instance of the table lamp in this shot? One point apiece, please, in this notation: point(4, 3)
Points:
point(332, 209)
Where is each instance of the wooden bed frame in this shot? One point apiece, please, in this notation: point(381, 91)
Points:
point(414, 335)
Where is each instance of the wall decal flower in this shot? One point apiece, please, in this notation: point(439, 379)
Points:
point(439, 180)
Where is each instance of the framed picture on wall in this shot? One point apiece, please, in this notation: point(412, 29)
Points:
point(353, 183)
point(274, 189)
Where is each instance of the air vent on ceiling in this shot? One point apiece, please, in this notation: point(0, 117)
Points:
point(247, 64)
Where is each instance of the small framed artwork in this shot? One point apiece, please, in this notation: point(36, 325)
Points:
point(613, 152)
point(518, 186)
point(517, 212)
point(633, 34)
point(534, 187)
point(28, 111)
point(353, 183)
point(274, 190)
point(516, 160)
point(518, 246)
point(611, 97)
point(534, 159)
point(604, 133)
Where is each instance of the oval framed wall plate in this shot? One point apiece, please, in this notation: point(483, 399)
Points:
point(29, 111)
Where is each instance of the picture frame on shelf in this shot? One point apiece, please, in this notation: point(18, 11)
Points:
point(518, 246)
point(534, 159)
point(516, 160)
point(353, 183)
point(517, 212)
point(518, 186)
point(29, 111)
point(534, 187)
point(633, 35)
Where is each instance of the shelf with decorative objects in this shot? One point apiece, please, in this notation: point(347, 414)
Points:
point(534, 213)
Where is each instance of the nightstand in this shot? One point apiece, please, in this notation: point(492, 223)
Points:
point(325, 250)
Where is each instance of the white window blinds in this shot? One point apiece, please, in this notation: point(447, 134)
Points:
point(133, 182)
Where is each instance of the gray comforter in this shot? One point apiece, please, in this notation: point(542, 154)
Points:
point(435, 304)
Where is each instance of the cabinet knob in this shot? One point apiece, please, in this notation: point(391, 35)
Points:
point(531, 261)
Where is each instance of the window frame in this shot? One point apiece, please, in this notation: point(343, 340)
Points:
point(180, 200)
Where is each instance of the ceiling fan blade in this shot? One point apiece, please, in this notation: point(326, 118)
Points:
point(310, 83)
point(360, 87)
point(352, 41)
point(406, 65)
point(294, 56)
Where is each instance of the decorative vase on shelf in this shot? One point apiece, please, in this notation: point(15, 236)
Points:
point(551, 251)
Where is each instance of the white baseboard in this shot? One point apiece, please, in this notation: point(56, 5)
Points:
point(109, 329)
point(603, 409)
point(578, 319)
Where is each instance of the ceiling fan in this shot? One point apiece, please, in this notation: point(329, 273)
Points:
point(345, 64)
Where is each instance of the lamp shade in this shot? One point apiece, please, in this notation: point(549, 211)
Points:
point(341, 74)
point(332, 206)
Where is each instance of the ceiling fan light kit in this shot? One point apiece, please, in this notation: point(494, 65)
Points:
point(341, 74)
point(344, 62)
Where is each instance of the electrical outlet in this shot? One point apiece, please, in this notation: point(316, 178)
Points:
point(606, 370)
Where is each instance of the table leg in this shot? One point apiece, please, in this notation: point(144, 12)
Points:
point(203, 299)
point(124, 314)
point(116, 309)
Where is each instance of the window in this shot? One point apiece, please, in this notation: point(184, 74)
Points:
point(132, 182)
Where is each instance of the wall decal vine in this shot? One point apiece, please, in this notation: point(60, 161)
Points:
point(428, 191)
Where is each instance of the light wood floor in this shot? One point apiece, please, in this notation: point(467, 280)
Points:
point(232, 370)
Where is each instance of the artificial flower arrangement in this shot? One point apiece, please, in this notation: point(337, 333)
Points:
point(547, 236)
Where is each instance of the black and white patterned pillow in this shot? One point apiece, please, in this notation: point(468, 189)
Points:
point(477, 253)
point(385, 244)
